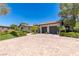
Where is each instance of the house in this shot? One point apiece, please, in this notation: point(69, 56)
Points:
point(4, 28)
point(25, 27)
point(51, 27)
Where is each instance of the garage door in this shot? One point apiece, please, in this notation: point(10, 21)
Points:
point(53, 29)
point(44, 29)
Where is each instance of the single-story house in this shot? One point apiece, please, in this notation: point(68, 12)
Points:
point(51, 27)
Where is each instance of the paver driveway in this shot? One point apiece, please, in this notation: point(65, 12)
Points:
point(40, 44)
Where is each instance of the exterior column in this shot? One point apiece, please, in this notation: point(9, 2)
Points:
point(48, 29)
point(58, 30)
point(40, 29)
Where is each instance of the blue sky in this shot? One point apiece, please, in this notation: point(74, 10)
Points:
point(31, 13)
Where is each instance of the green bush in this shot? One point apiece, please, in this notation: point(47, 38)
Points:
point(3, 33)
point(18, 33)
point(61, 29)
point(70, 34)
point(34, 29)
point(76, 29)
point(14, 33)
point(21, 33)
point(6, 36)
point(62, 33)
point(11, 34)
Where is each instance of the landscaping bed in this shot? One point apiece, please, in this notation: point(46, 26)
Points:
point(70, 34)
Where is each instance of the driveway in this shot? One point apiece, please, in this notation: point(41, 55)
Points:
point(40, 45)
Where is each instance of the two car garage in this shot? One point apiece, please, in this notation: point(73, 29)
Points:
point(51, 28)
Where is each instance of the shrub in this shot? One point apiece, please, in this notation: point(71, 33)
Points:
point(62, 33)
point(21, 33)
point(6, 36)
point(34, 29)
point(76, 29)
point(61, 29)
point(70, 34)
point(14, 33)
point(18, 33)
point(3, 33)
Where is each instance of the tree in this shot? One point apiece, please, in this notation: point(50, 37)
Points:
point(69, 13)
point(14, 27)
point(34, 28)
point(3, 9)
